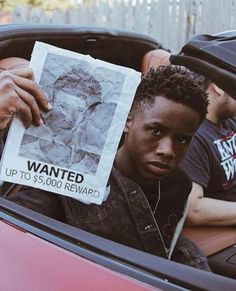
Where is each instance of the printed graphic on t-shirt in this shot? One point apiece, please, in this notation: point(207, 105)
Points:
point(227, 149)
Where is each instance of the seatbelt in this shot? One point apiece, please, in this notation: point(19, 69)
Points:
point(8, 188)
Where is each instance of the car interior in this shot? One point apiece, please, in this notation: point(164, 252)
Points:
point(218, 243)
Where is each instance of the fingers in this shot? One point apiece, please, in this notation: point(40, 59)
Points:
point(10, 104)
point(30, 111)
point(17, 66)
point(21, 95)
point(20, 78)
point(25, 72)
point(13, 63)
point(34, 89)
point(24, 111)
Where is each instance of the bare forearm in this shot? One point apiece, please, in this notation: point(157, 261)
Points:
point(208, 211)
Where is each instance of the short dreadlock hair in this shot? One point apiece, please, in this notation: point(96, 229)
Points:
point(175, 83)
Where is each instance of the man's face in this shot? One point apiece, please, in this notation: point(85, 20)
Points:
point(157, 138)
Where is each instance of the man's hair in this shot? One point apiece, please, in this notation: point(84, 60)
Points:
point(174, 83)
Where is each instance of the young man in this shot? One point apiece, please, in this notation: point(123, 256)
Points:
point(210, 160)
point(145, 208)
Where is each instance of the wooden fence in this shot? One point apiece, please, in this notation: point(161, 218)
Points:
point(172, 22)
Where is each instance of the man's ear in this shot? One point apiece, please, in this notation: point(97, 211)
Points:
point(128, 122)
point(217, 90)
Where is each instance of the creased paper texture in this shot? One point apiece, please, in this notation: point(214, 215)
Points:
point(73, 151)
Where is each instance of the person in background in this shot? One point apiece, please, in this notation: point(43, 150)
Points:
point(210, 159)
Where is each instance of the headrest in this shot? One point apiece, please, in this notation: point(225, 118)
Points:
point(213, 56)
point(154, 59)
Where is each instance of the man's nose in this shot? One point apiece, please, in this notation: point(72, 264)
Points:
point(166, 148)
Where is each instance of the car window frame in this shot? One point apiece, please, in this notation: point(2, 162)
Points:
point(153, 270)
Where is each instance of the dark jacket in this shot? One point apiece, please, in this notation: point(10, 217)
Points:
point(126, 216)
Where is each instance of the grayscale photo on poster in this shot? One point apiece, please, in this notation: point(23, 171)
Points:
point(72, 152)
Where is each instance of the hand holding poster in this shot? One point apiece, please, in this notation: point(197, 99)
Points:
point(73, 151)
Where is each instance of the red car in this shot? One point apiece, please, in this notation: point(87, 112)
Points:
point(40, 253)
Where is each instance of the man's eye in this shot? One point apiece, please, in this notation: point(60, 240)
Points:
point(156, 131)
point(184, 140)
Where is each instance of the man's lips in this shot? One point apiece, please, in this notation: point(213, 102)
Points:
point(159, 168)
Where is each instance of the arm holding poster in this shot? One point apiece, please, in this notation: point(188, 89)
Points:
point(19, 93)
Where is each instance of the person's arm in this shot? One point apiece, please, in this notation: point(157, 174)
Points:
point(208, 211)
point(19, 94)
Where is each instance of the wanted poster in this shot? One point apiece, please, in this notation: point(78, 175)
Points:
point(72, 152)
